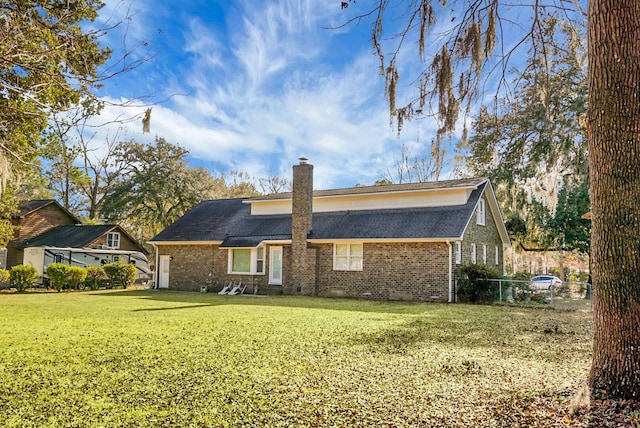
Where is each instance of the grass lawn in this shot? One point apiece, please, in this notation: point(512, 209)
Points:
point(157, 358)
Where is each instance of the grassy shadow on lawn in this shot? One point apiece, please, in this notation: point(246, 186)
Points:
point(300, 302)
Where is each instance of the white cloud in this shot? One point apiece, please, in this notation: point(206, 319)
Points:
point(275, 88)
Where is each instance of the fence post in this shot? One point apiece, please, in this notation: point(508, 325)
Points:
point(552, 288)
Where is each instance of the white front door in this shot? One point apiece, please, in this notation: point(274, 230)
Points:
point(275, 265)
point(163, 272)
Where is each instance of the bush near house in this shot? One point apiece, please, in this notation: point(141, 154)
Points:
point(77, 276)
point(120, 274)
point(22, 277)
point(58, 274)
point(474, 287)
point(95, 275)
point(4, 276)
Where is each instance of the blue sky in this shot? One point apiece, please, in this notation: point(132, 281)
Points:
point(252, 86)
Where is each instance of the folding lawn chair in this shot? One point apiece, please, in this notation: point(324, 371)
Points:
point(226, 289)
point(237, 289)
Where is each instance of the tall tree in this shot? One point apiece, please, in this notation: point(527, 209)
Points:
point(567, 229)
point(533, 143)
point(420, 168)
point(104, 169)
point(614, 157)
point(274, 184)
point(613, 130)
point(157, 187)
point(80, 171)
point(48, 62)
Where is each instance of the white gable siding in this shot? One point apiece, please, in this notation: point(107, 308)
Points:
point(371, 201)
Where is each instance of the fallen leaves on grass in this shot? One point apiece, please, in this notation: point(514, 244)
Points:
point(145, 358)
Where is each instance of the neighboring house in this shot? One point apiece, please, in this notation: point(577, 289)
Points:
point(47, 224)
point(403, 241)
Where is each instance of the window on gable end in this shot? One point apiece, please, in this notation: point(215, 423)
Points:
point(473, 253)
point(113, 239)
point(458, 252)
point(484, 253)
point(497, 256)
point(481, 216)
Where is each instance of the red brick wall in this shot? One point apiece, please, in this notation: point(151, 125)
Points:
point(397, 271)
point(193, 266)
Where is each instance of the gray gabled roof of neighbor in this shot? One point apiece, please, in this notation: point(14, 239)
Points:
point(230, 221)
point(76, 236)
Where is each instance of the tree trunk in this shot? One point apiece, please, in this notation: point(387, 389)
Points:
point(614, 162)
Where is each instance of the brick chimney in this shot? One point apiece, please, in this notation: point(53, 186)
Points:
point(302, 258)
point(302, 200)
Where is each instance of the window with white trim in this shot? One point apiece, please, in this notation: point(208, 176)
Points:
point(458, 252)
point(347, 256)
point(246, 260)
point(481, 213)
point(497, 256)
point(484, 253)
point(113, 239)
point(473, 253)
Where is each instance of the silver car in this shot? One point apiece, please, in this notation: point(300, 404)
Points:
point(544, 282)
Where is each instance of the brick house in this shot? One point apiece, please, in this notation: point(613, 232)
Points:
point(404, 242)
point(46, 223)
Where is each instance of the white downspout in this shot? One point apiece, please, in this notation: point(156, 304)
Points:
point(156, 272)
point(450, 272)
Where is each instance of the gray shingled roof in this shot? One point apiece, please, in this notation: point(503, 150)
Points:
point(230, 221)
point(76, 236)
point(29, 206)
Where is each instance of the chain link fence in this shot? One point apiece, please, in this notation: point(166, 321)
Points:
point(569, 295)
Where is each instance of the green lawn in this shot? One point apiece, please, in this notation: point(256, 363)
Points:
point(154, 358)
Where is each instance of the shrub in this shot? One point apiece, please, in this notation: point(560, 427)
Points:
point(94, 276)
point(77, 276)
point(23, 276)
point(474, 287)
point(4, 276)
point(120, 274)
point(59, 274)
